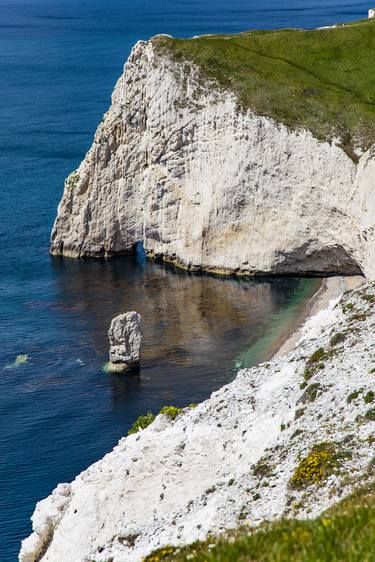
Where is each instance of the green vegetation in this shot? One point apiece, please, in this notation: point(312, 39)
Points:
point(316, 362)
point(320, 79)
point(262, 469)
point(337, 338)
point(307, 374)
point(296, 433)
point(369, 397)
point(345, 533)
point(171, 411)
point(144, 421)
point(322, 460)
point(310, 393)
point(299, 413)
point(141, 423)
point(72, 181)
point(353, 395)
point(317, 356)
point(370, 414)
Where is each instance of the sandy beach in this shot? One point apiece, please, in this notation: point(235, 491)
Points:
point(331, 288)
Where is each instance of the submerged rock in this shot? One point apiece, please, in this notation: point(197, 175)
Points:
point(125, 337)
point(19, 360)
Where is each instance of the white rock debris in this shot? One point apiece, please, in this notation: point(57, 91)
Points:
point(176, 165)
point(125, 338)
point(229, 460)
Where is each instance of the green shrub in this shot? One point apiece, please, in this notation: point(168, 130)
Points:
point(72, 181)
point(315, 362)
point(296, 433)
point(142, 422)
point(299, 413)
point(316, 466)
point(262, 469)
point(171, 412)
point(370, 414)
point(317, 356)
point(310, 393)
point(307, 374)
point(337, 338)
point(369, 397)
point(353, 395)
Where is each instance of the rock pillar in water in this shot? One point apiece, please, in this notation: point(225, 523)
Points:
point(125, 337)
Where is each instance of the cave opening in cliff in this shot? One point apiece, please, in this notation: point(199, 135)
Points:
point(140, 252)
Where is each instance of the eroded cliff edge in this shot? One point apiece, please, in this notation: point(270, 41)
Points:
point(179, 164)
point(231, 459)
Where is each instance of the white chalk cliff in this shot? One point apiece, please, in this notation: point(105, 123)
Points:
point(230, 459)
point(177, 165)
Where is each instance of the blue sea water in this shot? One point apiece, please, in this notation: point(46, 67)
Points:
point(59, 60)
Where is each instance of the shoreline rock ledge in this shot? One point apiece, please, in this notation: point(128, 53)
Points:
point(125, 337)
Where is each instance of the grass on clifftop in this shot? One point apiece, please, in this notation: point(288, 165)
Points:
point(322, 80)
point(345, 533)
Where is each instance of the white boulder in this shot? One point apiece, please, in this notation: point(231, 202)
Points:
point(125, 337)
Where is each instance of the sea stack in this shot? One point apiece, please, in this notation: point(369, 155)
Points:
point(125, 337)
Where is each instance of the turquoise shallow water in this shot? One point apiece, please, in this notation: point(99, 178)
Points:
point(59, 60)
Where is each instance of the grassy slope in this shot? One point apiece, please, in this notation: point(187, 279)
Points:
point(345, 533)
point(323, 80)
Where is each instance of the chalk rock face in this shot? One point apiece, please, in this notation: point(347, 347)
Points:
point(46, 516)
point(230, 460)
point(177, 165)
point(125, 338)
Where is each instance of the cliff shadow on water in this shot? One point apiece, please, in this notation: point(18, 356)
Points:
point(199, 328)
